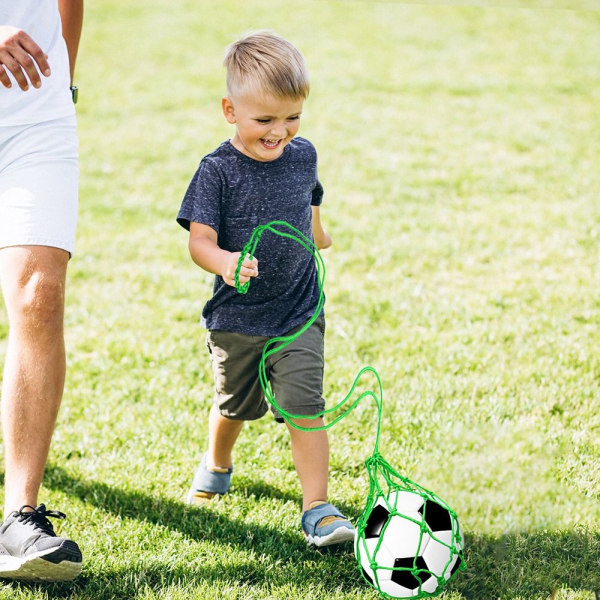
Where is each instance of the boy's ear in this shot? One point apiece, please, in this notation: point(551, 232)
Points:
point(228, 109)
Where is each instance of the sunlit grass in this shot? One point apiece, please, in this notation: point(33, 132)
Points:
point(458, 147)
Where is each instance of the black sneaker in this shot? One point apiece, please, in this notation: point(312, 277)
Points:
point(30, 550)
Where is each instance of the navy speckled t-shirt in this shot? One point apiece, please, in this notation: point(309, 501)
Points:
point(233, 194)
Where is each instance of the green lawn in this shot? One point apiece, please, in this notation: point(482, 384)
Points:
point(459, 148)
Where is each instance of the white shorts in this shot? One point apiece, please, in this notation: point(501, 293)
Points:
point(39, 181)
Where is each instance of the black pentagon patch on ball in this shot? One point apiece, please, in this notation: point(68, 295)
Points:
point(409, 579)
point(436, 516)
point(377, 519)
point(456, 566)
point(368, 577)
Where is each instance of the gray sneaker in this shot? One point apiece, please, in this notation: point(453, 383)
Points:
point(30, 550)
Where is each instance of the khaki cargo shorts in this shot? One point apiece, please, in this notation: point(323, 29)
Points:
point(295, 373)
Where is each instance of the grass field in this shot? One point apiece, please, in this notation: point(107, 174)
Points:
point(459, 148)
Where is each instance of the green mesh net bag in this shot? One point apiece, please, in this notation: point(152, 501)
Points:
point(408, 540)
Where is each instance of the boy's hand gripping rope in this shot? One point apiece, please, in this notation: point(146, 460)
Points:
point(383, 479)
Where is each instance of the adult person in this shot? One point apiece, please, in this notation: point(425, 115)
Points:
point(38, 213)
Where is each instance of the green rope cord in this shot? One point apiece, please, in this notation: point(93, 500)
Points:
point(383, 479)
point(277, 344)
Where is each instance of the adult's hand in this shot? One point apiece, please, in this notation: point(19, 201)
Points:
point(22, 57)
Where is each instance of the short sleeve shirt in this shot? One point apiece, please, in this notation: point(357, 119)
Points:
point(233, 194)
point(40, 19)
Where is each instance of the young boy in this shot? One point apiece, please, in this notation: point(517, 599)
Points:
point(263, 174)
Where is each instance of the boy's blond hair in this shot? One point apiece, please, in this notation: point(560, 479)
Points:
point(264, 62)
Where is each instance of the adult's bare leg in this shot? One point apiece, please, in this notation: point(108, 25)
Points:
point(33, 285)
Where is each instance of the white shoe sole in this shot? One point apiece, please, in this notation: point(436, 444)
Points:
point(50, 565)
point(337, 536)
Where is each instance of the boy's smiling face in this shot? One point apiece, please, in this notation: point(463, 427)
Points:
point(264, 124)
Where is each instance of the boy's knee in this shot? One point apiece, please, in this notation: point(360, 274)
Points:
point(306, 424)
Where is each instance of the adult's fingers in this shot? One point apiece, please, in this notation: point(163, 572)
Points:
point(13, 65)
point(36, 53)
point(4, 78)
point(21, 56)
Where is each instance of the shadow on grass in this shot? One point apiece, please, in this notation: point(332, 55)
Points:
point(530, 565)
point(136, 581)
point(289, 560)
point(520, 565)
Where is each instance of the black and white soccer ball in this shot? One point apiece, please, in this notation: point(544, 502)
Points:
point(410, 545)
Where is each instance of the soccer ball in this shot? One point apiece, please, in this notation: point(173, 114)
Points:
point(410, 545)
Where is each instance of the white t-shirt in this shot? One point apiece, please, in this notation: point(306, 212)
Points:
point(41, 20)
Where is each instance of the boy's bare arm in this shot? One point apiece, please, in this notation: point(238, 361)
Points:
point(320, 235)
point(206, 253)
